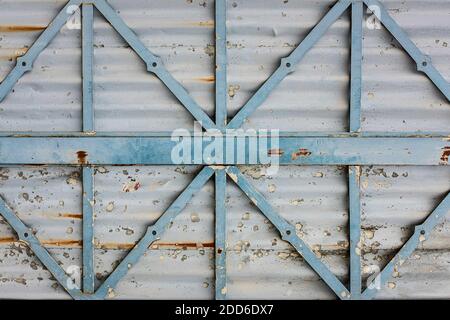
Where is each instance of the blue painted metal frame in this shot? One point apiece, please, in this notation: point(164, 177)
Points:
point(354, 148)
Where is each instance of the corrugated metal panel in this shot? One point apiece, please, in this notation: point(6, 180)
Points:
point(314, 98)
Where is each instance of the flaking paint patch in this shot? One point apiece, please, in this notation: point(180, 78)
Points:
point(301, 153)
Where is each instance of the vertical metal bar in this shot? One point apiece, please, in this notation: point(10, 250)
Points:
point(88, 230)
point(220, 235)
point(87, 60)
point(221, 63)
point(354, 172)
point(356, 62)
point(220, 175)
point(355, 231)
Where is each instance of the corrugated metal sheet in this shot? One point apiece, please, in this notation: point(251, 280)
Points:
point(314, 98)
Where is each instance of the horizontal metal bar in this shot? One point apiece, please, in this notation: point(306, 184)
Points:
point(286, 134)
point(158, 150)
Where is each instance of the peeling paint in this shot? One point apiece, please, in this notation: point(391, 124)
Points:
point(301, 153)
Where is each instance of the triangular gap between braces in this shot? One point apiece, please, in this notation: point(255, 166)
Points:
point(149, 96)
point(280, 232)
point(420, 65)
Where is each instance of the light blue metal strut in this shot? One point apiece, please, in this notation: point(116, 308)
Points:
point(88, 230)
point(157, 150)
point(356, 67)
point(220, 235)
point(221, 63)
point(354, 172)
point(87, 48)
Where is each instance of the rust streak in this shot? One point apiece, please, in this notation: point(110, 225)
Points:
point(21, 28)
point(445, 154)
point(301, 153)
point(207, 79)
point(158, 245)
point(82, 155)
point(71, 215)
point(62, 243)
point(207, 24)
point(7, 240)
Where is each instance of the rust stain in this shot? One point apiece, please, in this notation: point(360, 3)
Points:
point(21, 28)
point(207, 24)
point(275, 152)
point(62, 243)
point(158, 245)
point(82, 155)
point(301, 153)
point(115, 246)
point(7, 240)
point(445, 154)
point(207, 79)
point(71, 215)
point(182, 245)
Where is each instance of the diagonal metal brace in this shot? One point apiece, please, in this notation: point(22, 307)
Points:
point(288, 233)
point(421, 234)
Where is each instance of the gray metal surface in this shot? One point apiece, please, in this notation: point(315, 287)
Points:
point(313, 98)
